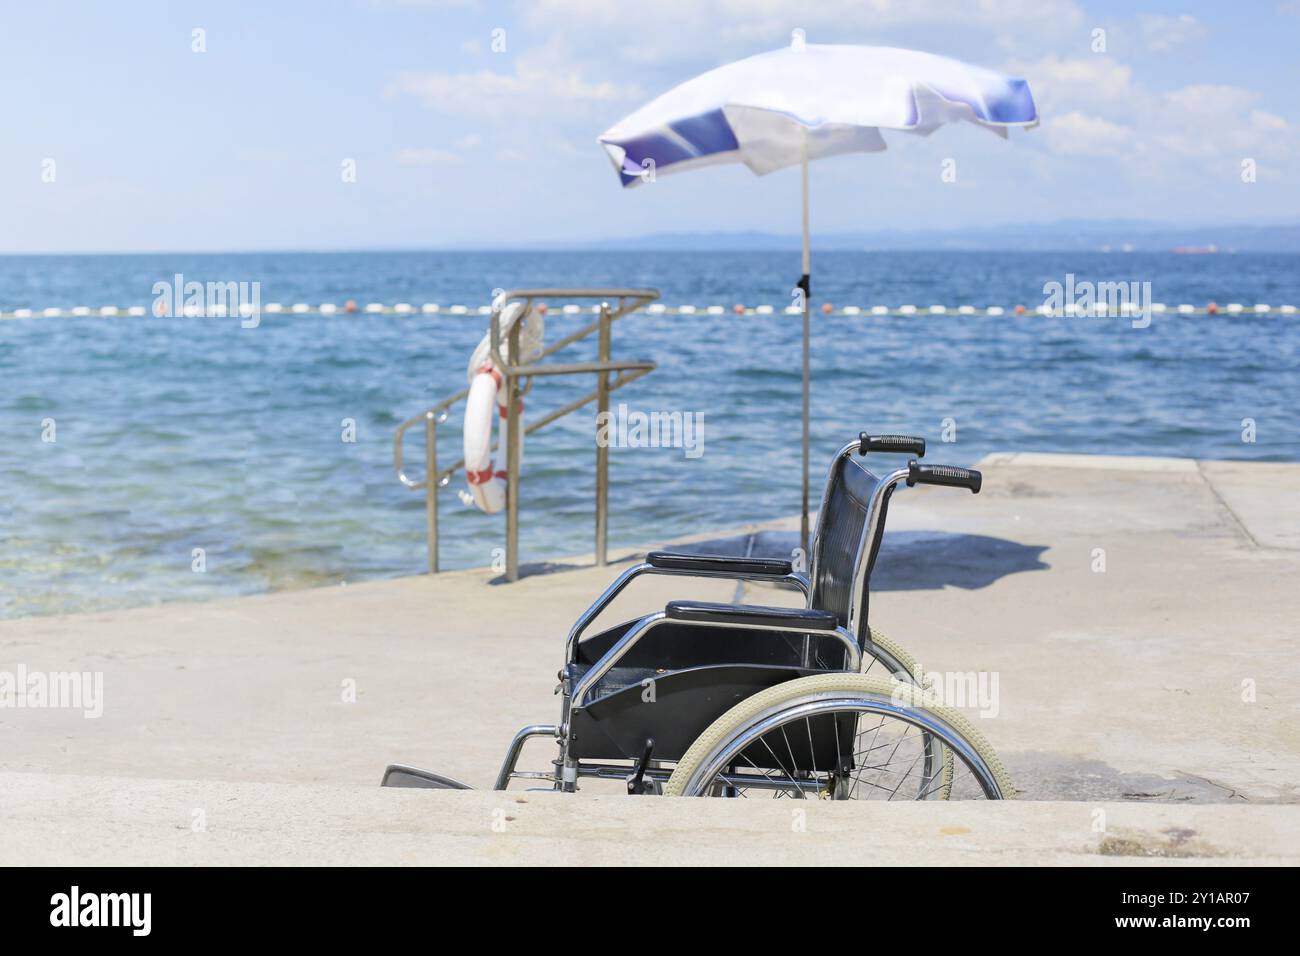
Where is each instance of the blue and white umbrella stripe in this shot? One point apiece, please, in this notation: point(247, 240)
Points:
point(804, 102)
point(759, 111)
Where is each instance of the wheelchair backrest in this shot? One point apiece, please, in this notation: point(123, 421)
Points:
point(839, 545)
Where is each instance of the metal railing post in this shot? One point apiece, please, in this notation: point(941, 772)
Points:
point(602, 448)
point(512, 459)
point(431, 487)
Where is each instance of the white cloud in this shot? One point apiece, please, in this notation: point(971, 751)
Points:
point(428, 156)
point(1161, 33)
point(1268, 122)
point(721, 30)
point(535, 81)
point(436, 4)
point(1086, 100)
point(1093, 105)
point(1077, 134)
point(1056, 14)
point(1206, 120)
point(1197, 125)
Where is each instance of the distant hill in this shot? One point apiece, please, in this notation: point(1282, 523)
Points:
point(1068, 236)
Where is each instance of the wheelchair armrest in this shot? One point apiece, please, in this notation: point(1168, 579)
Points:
point(718, 563)
point(784, 618)
point(686, 565)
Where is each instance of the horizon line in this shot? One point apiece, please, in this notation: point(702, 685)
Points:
point(651, 242)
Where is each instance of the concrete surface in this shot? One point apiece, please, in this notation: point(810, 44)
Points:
point(139, 821)
point(1168, 677)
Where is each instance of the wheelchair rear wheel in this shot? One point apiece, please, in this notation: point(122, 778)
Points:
point(841, 737)
point(882, 657)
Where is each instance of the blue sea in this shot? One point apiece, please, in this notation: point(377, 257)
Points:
point(172, 434)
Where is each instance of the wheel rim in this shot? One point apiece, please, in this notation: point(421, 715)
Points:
point(833, 746)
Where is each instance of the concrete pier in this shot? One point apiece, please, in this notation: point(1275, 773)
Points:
point(1140, 616)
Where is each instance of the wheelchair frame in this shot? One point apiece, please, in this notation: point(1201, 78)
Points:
point(568, 770)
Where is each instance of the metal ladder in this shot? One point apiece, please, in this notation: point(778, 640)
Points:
point(518, 380)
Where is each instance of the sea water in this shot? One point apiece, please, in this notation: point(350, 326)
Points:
point(194, 458)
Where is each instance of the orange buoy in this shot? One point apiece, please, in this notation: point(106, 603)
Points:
point(350, 305)
point(738, 309)
point(826, 308)
point(1020, 310)
point(1212, 308)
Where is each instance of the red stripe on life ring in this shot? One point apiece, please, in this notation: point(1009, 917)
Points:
point(487, 474)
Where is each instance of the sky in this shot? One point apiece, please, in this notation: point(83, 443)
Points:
point(237, 125)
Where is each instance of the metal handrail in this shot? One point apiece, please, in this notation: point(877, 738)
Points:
point(644, 368)
point(518, 381)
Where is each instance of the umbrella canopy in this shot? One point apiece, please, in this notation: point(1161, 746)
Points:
point(757, 111)
point(804, 102)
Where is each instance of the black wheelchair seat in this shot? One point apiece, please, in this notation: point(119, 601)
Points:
point(671, 707)
point(681, 678)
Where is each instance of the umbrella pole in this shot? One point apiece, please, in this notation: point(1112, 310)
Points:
point(807, 295)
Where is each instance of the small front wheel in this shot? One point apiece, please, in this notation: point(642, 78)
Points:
point(840, 736)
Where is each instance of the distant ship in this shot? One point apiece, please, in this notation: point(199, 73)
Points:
point(1195, 250)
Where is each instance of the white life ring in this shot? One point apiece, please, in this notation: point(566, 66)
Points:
point(487, 477)
point(487, 402)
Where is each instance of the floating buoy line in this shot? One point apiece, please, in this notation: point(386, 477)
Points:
point(429, 308)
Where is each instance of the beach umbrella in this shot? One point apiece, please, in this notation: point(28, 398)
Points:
point(805, 102)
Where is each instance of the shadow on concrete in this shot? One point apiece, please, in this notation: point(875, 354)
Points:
point(909, 560)
point(1053, 776)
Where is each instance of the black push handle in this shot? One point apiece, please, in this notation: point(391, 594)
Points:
point(894, 444)
point(948, 475)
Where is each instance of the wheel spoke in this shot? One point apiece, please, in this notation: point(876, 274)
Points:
point(794, 765)
point(789, 775)
point(895, 749)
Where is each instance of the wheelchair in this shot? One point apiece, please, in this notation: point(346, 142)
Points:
point(745, 701)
